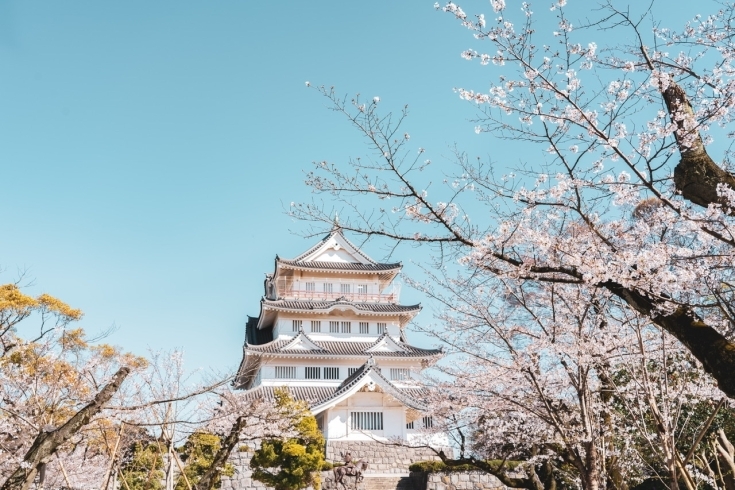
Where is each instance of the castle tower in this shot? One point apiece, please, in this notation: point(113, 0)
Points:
point(331, 329)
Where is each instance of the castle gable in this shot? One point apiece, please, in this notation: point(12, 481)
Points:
point(301, 343)
point(385, 344)
point(335, 248)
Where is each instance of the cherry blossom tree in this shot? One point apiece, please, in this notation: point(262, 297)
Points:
point(549, 389)
point(623, 198)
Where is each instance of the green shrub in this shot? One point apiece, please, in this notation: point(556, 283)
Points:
point(143, 467)
point(291, 464)
point(441, 467)
point(198, 455)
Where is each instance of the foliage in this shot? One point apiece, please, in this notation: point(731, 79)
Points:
point(68, 405)
point(294, 462)
point(198, 454)
point(142, 467)
point(610, 250)
point(46, 381)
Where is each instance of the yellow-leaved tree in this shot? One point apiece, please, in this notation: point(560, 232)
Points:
point(53, 389)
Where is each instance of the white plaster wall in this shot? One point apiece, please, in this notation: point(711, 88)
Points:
point(337, 423)
point(394, 419)
point(394, 422)
point(283, 326)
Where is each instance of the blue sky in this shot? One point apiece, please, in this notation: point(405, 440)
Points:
point(148, 149)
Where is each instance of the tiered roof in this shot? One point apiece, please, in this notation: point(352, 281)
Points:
point(367, 378)
point(338, 266)
point(302, 345)
point(333, 255)
point(327, 306)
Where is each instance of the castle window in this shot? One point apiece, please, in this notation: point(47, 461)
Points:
point(333, 327)
point(399, 374)
point(331, 373)
point(344, 288)
point(351, 371)
point(296, 325)
point(367, 420)
point(310, 287)
point(428, 422)
point(364, 327)
point(316, 326)
point(362, 289)
point(409, 425)
point(346, 327)
point(381, 328)
point(285, 372)
point(313, 372)
point(327, 287)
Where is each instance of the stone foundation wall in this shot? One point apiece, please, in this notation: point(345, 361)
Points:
point(382, 458)
point(471, 480)
point(242, 479)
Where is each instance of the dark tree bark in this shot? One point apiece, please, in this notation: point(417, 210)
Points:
point(213, 474)
point(711, 348)
point(697, 175)
point(47, 443)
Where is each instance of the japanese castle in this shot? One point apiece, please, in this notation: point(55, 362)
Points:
point(332, 331)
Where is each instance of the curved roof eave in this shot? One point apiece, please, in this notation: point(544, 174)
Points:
point(336, 305)
point(344, 267)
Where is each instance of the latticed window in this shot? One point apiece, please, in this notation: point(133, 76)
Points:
point(346, 327)
point(344, 288)
point(362, 289)
point(381, 328)
point(316, 326)
point(409, 425)
point(334, 327)
point(286, 372)
point(310, 287)
point(367, 421)
point(364, 327)
point(327, 287)
point(331, 373)
point(313, 372)
point(428, 422)
point(296, 325)
point(399, 373)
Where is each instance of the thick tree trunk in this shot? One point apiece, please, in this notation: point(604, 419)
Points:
point(697, 175)
point(711, 348)
point(47, 443)
point(213, 474)
point(591, 475)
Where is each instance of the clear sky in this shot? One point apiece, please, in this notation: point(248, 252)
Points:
point(148, 149)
